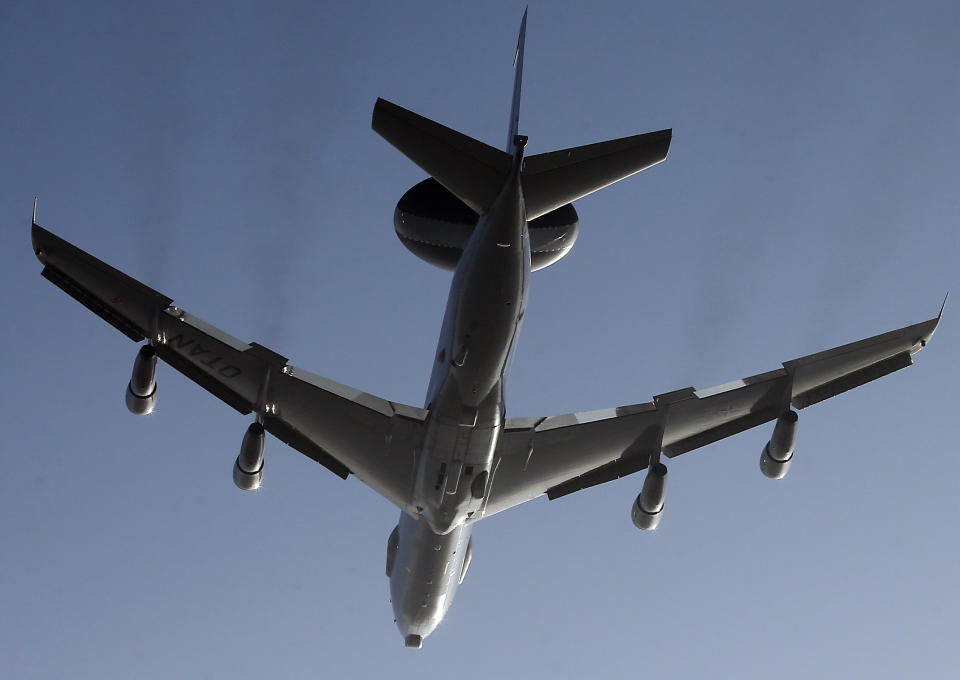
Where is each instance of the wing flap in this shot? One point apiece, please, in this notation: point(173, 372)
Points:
point(833, 366)
point(635, 457)
point(92, 302)
point(334, 419)
point(553, 179)
point(536, 455)
point(562, 454)
point(299, 441)
point(344, 429)
point(472, 171)
point(227, 368)
point(123, 302)
point(210, 383)
point(857, 378)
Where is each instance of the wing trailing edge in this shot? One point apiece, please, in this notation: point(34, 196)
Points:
point(472, 171)
point(553, 179)
point(562, 454)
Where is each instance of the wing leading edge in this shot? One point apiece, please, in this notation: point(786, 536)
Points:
point(562, 454)
point(342, 428)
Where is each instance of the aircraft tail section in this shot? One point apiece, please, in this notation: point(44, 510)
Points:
point(551, 180)
point(472, 171)
point(517, 83)
point(475, 172)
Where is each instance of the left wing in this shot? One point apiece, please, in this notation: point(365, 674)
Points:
point(563, 454)
point(342, 428)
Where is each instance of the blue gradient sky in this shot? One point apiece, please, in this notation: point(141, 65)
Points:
point(222, 153)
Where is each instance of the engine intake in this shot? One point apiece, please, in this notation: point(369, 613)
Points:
point(778, 453)
point(141, 397)
point(248, 468)
point(648, 507)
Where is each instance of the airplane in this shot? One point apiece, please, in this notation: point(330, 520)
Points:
point(493, 217)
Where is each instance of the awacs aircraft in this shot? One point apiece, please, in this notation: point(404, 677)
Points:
point(493, 217)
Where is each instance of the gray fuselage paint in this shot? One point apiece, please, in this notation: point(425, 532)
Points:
point(481, 323)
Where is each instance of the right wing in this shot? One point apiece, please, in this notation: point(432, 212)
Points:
point(562, 454)
point(342, 428)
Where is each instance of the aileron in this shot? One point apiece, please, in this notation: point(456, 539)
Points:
point(575, 451)
point(494, 217)
point(123, 302)
point(342, 428)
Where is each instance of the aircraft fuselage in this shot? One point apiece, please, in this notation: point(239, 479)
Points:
point(484, 310)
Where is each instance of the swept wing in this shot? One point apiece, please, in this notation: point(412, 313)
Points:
point(562, 454)
point(342, 428)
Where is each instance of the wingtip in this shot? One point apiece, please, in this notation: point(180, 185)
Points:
point(37, 234)
point(39, 238)
point(930, 327)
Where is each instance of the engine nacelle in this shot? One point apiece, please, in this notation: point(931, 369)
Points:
point(648, 507)
point(141, 395)
point(778, 453)
point(248, 468)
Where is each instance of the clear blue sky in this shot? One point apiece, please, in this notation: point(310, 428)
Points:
point(222, 153)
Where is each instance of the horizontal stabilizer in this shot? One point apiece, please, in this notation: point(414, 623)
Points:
point(471, 170)
point(553, 179)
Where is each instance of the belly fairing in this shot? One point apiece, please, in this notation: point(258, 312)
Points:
point(457, 456)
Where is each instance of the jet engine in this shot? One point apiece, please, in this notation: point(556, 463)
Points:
point(248, 468)
point(142, 388)
point(649, 504)
point(777, 454)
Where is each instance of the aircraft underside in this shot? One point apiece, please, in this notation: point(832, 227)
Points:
point(493, 216)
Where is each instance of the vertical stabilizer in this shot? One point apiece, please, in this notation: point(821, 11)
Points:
point(517, 81)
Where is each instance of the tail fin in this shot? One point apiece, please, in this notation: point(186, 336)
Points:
point(471, 170)
point(553, 179)
point(475, 172)
point(517, 82)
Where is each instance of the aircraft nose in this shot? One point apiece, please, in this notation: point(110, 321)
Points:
point(415, 626)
